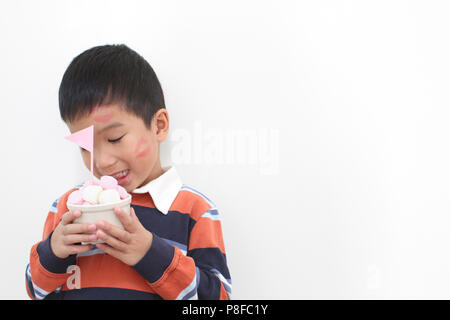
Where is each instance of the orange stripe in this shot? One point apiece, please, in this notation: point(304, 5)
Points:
point(177, 277)
point(223, 293)
point(188, 202)
point(43, 278)
point(102, 270)
point(207, 233)
point(143, 200)
point(49, 225)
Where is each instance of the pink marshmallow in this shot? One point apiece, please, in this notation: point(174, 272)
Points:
point(122, 192)
point(75, 197)
point(108, 182)
point(96, 182)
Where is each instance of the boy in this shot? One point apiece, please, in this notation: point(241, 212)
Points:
point(172, 246)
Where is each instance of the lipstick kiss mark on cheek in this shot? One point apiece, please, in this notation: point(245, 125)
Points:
point(139, 144)
point(143, 153)
point(142, 148)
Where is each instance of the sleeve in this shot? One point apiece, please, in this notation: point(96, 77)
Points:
point(46, 273)
point(200, 274)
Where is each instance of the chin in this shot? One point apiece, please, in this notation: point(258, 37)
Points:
point(129, 187)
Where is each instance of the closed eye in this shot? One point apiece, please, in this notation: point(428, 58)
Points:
point(115, 140)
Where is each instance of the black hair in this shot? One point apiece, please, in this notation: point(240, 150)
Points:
point(110, 74)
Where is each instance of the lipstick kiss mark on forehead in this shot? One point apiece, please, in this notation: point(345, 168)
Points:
point(100, 108)
point(104, 118)
point(102, 114)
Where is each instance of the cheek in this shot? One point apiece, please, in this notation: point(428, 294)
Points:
point(142, 148)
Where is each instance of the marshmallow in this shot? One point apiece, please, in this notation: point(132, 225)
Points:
point(104, 190)
point(108, 196)
point(75, 197)
point(122, 192)
point(91, 193)
point(108, 182)
point(95, 182)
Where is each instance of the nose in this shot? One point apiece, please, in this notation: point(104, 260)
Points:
point(104, 160)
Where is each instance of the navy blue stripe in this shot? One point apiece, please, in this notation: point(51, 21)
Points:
point(102, 294)
point(51, 262)
point(210, 258)
point(157, 259)
point(209, 286)
point(174, 226)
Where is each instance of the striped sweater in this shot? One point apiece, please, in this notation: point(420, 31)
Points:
point(185, 261)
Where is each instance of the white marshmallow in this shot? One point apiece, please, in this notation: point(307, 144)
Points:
point(91, 193)
point(108, 196)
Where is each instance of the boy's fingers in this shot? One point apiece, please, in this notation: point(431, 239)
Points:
point(112, 241)
point(75, 228)
point(114, 231)
point(133, 214)
point(128, 222)
point(68, 217)
point(109, 250)
point(77, 249)
point(77, 238)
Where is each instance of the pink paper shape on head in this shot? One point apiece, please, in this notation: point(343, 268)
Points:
point(84, 138)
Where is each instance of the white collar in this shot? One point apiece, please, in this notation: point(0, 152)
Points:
point(163, 189)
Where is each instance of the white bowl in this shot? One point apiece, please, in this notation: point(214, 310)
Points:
point(96, 212)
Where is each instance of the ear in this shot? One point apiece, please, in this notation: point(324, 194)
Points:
point(161, 120)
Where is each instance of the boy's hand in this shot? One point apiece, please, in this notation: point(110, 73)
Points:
point(128, 245)
point(67, 233)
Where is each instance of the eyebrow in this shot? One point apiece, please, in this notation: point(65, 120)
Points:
point(110, 126)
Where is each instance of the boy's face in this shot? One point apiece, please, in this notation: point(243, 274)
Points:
point(123, 146)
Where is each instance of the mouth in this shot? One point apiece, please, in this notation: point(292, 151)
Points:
point(122, 177)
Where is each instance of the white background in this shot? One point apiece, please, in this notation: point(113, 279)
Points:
point(358, 92)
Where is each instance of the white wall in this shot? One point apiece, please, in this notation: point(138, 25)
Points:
point(343, 107)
